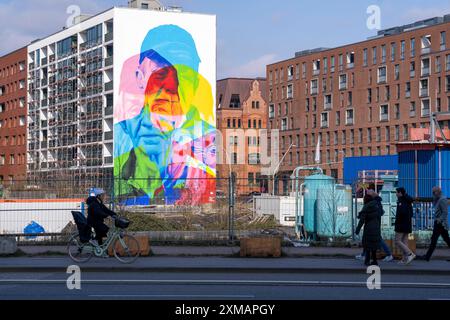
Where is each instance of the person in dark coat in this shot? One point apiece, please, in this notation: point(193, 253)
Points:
point(403, 224)
point(97, 213)
point(370, 218)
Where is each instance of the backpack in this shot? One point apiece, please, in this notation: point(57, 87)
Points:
point(84, 231)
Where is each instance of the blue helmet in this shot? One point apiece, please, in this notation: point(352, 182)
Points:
point(94, 192)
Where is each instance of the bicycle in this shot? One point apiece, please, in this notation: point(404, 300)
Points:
point(125, 247)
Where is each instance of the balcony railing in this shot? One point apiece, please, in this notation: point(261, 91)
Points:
point(314, 90)
point(108, 160)
point(381, 79)
point(426, 50)
point(316, 72)
point(109, 111)
point(424, 92)
point(349, 121)
point(384, 117)
point(324, 124)
point(408, 94)
point(350, 65)
point(109, 135)
point(412, 73)
point(109, 36)
point(109, 86)
point(425, 112)
point(425, 72)
point(108, 61)
point(328, 106)
point(412, 113)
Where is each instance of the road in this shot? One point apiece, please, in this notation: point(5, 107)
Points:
point(234, 285)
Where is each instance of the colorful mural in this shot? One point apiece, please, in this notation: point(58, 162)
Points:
point(164, 131)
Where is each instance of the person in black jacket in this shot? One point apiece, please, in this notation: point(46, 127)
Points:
point(403, 224)
point(370, 218)
point(97, 213)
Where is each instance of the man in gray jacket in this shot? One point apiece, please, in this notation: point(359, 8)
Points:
point(440, 204)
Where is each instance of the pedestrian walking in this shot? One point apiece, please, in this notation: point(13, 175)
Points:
point(440, 205)
point(370, 218)
point(383, 244)
point(403, 224)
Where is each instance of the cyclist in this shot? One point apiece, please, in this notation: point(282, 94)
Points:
point(97, 213)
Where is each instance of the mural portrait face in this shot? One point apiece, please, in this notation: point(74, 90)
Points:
point(169, 138)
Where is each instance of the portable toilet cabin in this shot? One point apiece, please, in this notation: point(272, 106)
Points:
point(312, 185)
point(334, 211)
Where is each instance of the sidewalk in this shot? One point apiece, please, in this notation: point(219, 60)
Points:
point(196, 251)
point(220, 265)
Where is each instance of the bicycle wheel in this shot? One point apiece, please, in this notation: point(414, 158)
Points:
point(79, 252)
point(126, 248)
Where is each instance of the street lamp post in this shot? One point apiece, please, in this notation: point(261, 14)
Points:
point(278, 167)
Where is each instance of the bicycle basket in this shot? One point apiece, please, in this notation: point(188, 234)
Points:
point(122, 223)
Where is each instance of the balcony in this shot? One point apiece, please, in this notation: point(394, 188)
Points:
point(314, 90)
point(328, 106)
point(324, 124)
point(108, 61)
point(384, 117)
point(407, 94)
point(109, 36)
point(350, 65)
point(381, 79)
point(316, 72)
point(108, 135)
point(109, 86)
point(425, 72)
point(349, 121)
point(412, 113)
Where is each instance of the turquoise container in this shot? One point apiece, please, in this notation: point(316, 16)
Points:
point(334, 211)
point(311, 188)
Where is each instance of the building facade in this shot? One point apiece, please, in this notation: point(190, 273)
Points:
point(359, 99)
point(120, 96)
point(241, 115)
point(13, 113)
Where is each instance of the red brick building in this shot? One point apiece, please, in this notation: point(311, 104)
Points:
point(359, 99)
point(13, 114)
point(241, 114)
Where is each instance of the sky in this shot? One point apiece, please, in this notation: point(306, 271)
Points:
point(251, 33)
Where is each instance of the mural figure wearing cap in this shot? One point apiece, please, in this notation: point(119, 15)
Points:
point(160, 144)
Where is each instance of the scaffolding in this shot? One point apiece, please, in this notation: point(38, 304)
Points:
point(66, 114)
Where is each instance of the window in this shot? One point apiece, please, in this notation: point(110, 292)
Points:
point(384, 112)
point(12, 160)
point(94, 35)
point(22, 121)
point(397, 111)
point(349, 117)
point(290, 91)
point(350, 59)
point(405, 132)
point(447, 62)
point(378, 134)
point(314, 86)
point(369, 95)
point(324, 120)
point(381, 74)
point(235, 101)
point(438, 64)
point(447, 80)
point(325, 65)
point(397, 133)
point(413, 47)
point(332, 63)
point(369, 135)
point(412, 69)
point(402, 50)
point(365, 57)
point(383, 53)
point(408, 89)
point(412, 109)
point(425, 67)
point(324, 84)
point(328, 102)
point(271, 111)
point(426, 44)
point(338, 118)
point(388, 133)
point(393, 49)
point(284, 124)
point(2, 160)
point(251, 178)
point(425, 108)
point(234, 158)
point(316, 67)
point(304, 70)
point(397, 72)
point(297, 71)
point(442, 40)
point(423, 87)
point(343, 82)
point(374, 55)
point(370, 114)
point(341, 62)
point(344, 137)
point(290, 73)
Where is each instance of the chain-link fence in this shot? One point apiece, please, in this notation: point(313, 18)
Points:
point(310, 207)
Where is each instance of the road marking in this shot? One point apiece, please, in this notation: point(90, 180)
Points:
point(233, 282)
point(168, 296)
